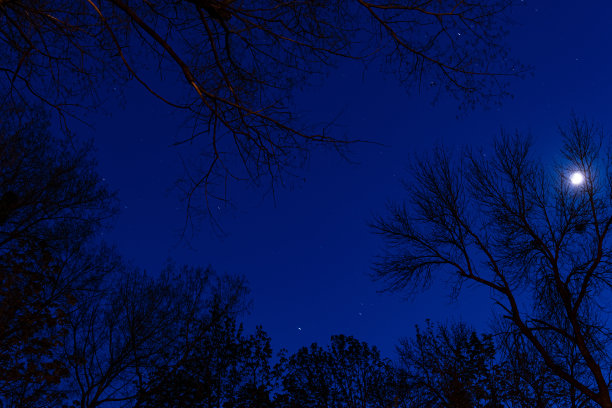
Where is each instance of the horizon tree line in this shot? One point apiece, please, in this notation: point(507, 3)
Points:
point(502, 220)
point(81, 327)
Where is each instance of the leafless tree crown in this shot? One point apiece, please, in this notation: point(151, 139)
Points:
point(506, 220)
point(235, 64)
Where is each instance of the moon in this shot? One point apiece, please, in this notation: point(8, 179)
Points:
point(577, 178)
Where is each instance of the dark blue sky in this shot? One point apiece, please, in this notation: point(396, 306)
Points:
point(307, 257)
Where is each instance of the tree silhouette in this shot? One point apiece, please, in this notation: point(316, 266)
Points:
point(239, 61)
point(138, 326)
point(527, 382)
point(452, 367)
point(224, 369)
point(507, 221)
point(348, 373)
point(52, 204)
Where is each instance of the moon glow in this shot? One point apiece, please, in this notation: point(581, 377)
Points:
point(577, 178)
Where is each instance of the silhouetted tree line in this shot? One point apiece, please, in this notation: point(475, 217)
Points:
point(81, 327)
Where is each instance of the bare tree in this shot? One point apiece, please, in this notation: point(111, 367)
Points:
point(238, 62)
point(348, 373)
point(52, 206)
point(138, 325)
point(452, 367)
point(534, 234)
point(225, 369)
point(527, 382)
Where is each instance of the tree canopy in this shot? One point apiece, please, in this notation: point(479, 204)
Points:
point(52, 206)
point(348, 373)
point(235, 64)
point(452, 367)
point(505, 220)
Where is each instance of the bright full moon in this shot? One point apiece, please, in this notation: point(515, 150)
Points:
point(577, 178)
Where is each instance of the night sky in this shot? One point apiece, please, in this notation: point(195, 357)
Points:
point(307, 251)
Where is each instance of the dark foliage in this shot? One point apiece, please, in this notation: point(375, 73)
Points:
point(138, 327)
point(452, 367)
point(348, 373)
point(224, 369)
point(52, 203)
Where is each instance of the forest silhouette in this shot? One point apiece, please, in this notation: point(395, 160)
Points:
point(80, 326)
